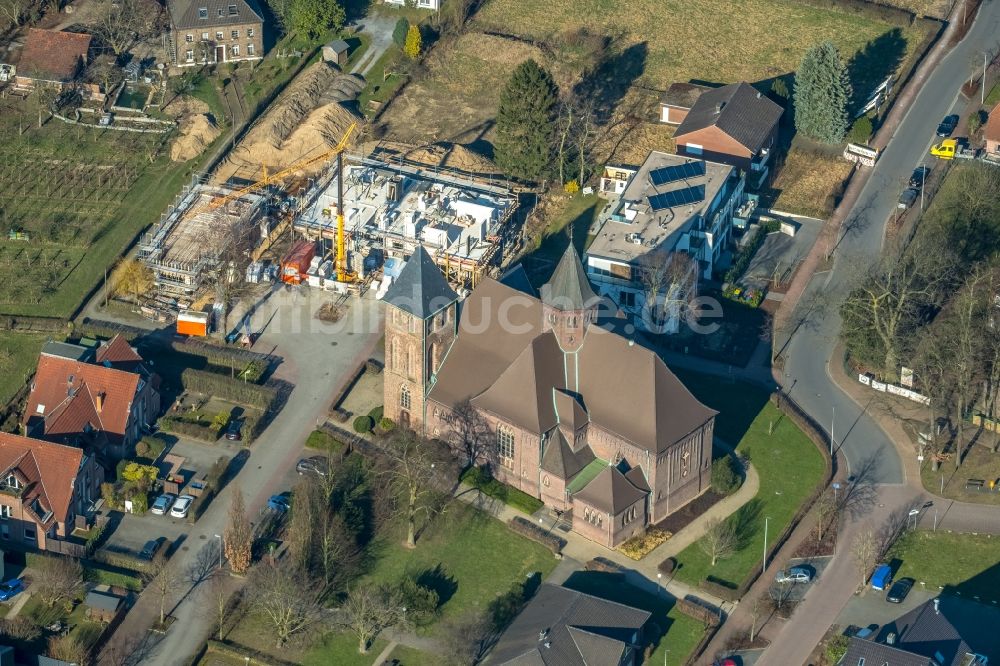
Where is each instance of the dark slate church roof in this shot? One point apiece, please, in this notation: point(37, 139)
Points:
point(421, 289)
point(569, 288)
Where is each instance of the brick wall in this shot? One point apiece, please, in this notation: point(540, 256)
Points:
point(205, 42)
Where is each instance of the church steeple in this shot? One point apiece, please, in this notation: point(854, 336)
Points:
point(570, 303)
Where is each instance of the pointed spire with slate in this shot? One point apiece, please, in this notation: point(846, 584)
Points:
point(569, 288)
point(421, 289)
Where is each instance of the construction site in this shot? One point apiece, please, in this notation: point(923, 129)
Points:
point(187, 246)
point(388, 209)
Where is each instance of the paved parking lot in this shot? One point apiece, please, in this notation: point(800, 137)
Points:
point(870, 607)
point(798, 591)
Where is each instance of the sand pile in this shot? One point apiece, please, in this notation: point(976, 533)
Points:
point(297, 126)
point(448, 156)
point(196, 133)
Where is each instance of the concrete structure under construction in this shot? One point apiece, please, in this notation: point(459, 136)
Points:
point(466, 227)
point(187, 244)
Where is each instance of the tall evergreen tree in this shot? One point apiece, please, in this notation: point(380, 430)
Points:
point(822, 91)
point(525, 122)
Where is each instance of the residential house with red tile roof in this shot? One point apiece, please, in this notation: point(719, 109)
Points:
point(43, 487)
point(574, 413)
point(95, 399)
point(51, 57)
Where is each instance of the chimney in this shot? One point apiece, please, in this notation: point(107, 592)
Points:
point(890, 638)
point(99, 402)
point(718, 107)
point(758, 94)
point(937, 602)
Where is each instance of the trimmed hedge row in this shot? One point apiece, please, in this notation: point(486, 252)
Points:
point(719, 589)
point(178, 426)
point(528, 529)
point(745, 255)
point(254, 395)
point(95, 572)
point(698, 612)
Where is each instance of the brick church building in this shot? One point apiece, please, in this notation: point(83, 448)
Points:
point(570, 411)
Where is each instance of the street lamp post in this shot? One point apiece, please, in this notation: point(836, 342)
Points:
point(913, 514)
point(833, 422)
point(764, 567)
point(836, 487)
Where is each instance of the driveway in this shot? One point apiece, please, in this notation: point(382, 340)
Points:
point(379, 28)
point(318, 358)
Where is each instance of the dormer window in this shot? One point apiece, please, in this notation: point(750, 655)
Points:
point(221, 13)
point(12, 482)
point(232, 10)
point(203, 12)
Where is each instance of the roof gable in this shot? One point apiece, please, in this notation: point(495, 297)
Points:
point(560, 459)
point(737, 109)
point(421, 288)
point(611, 492)
point(117, 350)
point(53, 55)
point(49, 469)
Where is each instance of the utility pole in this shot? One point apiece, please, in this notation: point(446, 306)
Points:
point(982, 88)
point(764, 567)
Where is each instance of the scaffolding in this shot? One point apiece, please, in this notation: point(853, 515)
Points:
point(185, 246)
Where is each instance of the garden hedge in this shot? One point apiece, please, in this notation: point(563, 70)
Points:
point(528, 529)
point(210, 383)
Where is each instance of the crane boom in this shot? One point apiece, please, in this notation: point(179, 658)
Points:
point(280, 175)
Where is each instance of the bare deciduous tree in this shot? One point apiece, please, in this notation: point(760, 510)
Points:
point(163, 577)
point(414, 465)
point(121, 24)
point(720, 540)
point(56, 579)
point(218, 604)
point(287, 600)
point(16, 11)
point(825, 509)
point(670, 286)
point(238, 537)
point(865, 551)
point(69, 649)
point(206, 562)
point(471, 434)
point(368, 610)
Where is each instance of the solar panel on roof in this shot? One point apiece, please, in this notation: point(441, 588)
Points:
point(669, 174)
point(673, 198)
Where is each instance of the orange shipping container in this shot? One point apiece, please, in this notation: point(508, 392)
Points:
point(192, 323)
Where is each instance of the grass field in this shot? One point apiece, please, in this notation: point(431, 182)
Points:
point(745, 417)
point(77, 192)
point(655, 42)
point(18, 357)
point(965, 564)
point(806, 182)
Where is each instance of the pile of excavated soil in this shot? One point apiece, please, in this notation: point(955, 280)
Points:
point(446, 156)
point(196, 133)
point(297, 126)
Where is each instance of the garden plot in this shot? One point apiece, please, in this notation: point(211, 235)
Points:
point(67, 191)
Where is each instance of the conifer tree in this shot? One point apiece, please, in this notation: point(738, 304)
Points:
point(525, 120)
point(822, 91)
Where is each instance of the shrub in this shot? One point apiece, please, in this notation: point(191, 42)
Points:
point(725, 480)
point(399, 32)
point(123, 561)
point(94, 538)
point(363, 424)
point(97, 574)
point(386, 424)
point(210, 383)
point(667, 566)
point(745, 255)
point(836, 648)
point(20, 628)
point(698, 612)
point(376, 413)
point(199, 504)
point(528, 529)
point(720, 589)
point(200, 430)
point(421, 602)
point(603, 565)
point(120, 468)
point(976, 121)
point(639, 546)
point(861, 131)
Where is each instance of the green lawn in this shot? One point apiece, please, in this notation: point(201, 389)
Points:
point(480, 555)
point(342, 649)
point(673, 631)
point(993, 97)
point(18, 358)
point(744, 417)
point(578, 213)
point(965, 564)
point(324, 441)
point(382, 79)
point(408, 656)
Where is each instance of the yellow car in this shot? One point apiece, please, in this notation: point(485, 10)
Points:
point(945, 150)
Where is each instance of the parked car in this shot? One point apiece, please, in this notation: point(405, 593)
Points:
point(279, 503)
point(234, 432)
point(899, 590)
point(882, 578)
point(907, 198)
point(919, 176)
point(181, 506)
point(315, 465)
point(11, 589)
point(162, 504)
point(945, 150)
point(151, 547)
point(947, 125)
point(794, 575)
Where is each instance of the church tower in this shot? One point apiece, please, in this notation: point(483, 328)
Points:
point(569, 303)
point(421, 323)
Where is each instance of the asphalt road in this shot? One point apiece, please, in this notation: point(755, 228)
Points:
point(811, 347)
point(317, 358)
